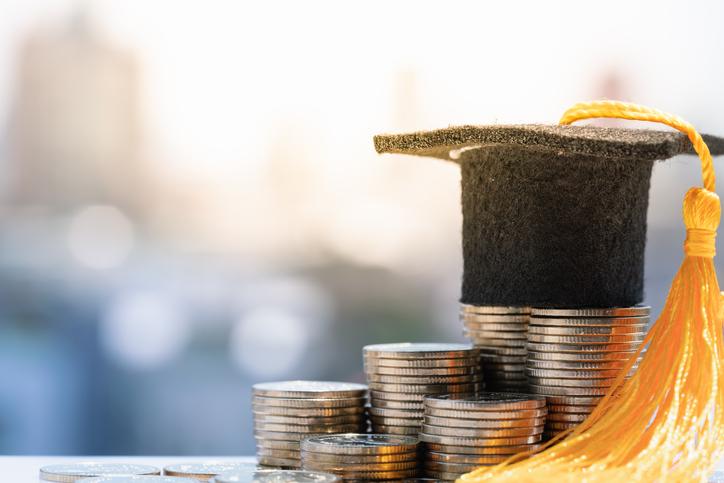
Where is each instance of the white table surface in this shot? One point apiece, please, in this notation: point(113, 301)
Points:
point(24, 469)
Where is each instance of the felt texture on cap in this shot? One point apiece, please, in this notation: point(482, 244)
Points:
point(553, 216)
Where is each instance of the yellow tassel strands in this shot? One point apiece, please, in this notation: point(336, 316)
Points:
point(666, 423)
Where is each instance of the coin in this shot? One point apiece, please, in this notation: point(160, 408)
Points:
point(487, 401)
point(468, 441)
point(263, 410)
point(279, 462)
point(588, 330)
point(504, 367)
point(571, 409)
point(568, 391)
point(560, 425)
point(423, 388)
point(489, 342)
point(278, 476)
point(565, 417)
point(582, 348)
point(137, 479)
point(570, 374)
point(401, 405)
point(294, 435)
point(329, 421)
point(474, 325)
point(397, 430)
point(482, 450)
point(481, 432)
point(387, 421)
point(483, 423)
point(347, 466)
point(636, 311)
point(309, 389)
point(492, 309)
point(306, 428)
point(205, 470)
point(465, 458)
point(549, 355)
point(359, 444)
point(375, 396)
point(377, 475)
point(502, 415)
point(419, 372)
point(442, 475)
point(75, 471)
point(465, 379)
point(498, 359)
point(576, 366)
point(394, 413)
point(432, 350)
point(563, 400)
point(579, 383)
point(311, 403)
point(471, 361)
point(360, 459)
point(586, 339)
point(279, 453)
point(278, 444)
point(503, 351)
point(491, 334)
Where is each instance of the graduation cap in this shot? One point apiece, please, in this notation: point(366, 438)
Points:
point(556, 216)
point(553, 216)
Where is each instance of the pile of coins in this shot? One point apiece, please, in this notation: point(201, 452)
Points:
point(461, 434)
point(574, 355)
point(369, 457)
point(286, 412)
point(207, 470)
point(401, 375)
point(500, 333)
point(79, 471)
point(277, 476)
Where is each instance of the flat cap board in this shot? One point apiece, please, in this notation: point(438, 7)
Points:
point(640, 144)
point(553, 216)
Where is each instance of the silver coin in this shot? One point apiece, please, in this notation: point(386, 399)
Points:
point(546, 355)
point(422, 372)
point(359, 444)
point(493, 309)
point(315, 421)
point(374, 362)
point(306, 428)
point(262, 410)
point(567, 391)
point(433, 456)
point(377, 396)
point(588, 331)
point(502, 351)
point(552, 381)
point(587, 339)
point(563, 400)
point(424, 350)
point(576, 366)
point(481, 450)
point(483, 423)
point(278, 453)
point(396, 430)
point(278, 476)
point(278, 444)
point(387, 421)
point(571, 374)
point(309, 389)
point(635, 311)
point(489, 342)
point(487, 401)
point(478, 442)
point(377, 475)
point(386, 379)
point(298, 436)
point(348, 466)
point(137, 479)
point(401, 405)
point(279, 462)
point(633, 323)
point(493, 415)
point(205, 470)
point(310, 403)
point(497, 359)
point(583, 348)
point(567, 417)
point(481, 432)
point(485, 334)
point(75, 471)
point(394, 413)
point(360, 459)
point(504, 321)
point(571, 409)
point(423, 388)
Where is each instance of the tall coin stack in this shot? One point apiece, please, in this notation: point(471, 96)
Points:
point(286, 412)
point(368, 457)
point(500, 334)
point(574, 355)
point(401, 375)
point(462, 434)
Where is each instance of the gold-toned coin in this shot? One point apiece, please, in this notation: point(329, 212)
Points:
point(312, 403)
point(308, 412)
point(638, 329)
point(481, 432)
point(567, 417)
point(377, 396)
point(589, 322)
point(560, 425)
point(307, 428)
point(397, 430)
point(277, 444)
point(456, 467)
point(278, 453)
point(421, 372)
point(496, 326)
point(503, 415)
point(387, 421)
point(586, 339)
point(549, 381)
point(567, 391)
point(359, 459)
point(394, 413)
point(487, 401)
point(576, 366)
point(569, 374)
point(466, 458)
point(498, 359)
point(317, 421)
point(502, 351)
point(571, 409)
point(485, 334)
point(484, 423)
point(398, 405)
point(490, 342)
point(557, 356)
point(344, 467)
point(493, 310)
point(563, 400)
point(636, 311)
point(425, 380)
point(582, 348)
point(482, 450)
point(423, 388)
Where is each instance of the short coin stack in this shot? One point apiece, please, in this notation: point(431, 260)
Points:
point(574, 355)
point(369, 457)
point(286, 412)
point(500, 334)
point(461, 434)
point(401, 375)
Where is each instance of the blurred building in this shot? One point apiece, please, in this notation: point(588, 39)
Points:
point(74, 128)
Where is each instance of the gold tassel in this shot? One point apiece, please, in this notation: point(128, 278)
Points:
point(666, 423)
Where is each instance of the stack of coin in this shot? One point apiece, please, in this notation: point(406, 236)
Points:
point(401, 375)
point(369, 457)
point(574, 355)
point(277, 476)
point(500, 334)
point(461, 434)
point(207, 470)
point(286, 412)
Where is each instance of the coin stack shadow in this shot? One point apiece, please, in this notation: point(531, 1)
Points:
point(286, 412)
point(462, 434)
point(574, 355)
point(368, 457)
point(500, 334)
point(401, 375)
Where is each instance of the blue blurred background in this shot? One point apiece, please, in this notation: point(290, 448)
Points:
point(190, 201)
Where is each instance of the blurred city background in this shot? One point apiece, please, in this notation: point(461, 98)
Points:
point(190, 201)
